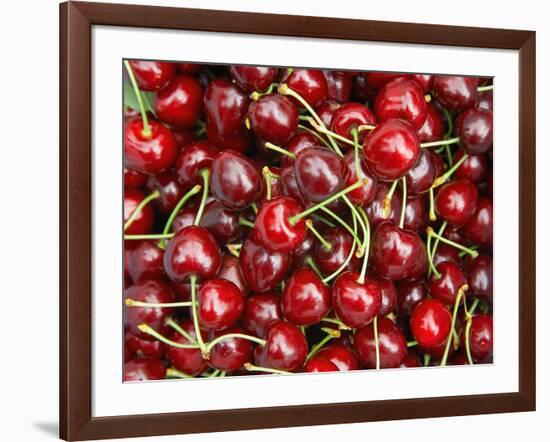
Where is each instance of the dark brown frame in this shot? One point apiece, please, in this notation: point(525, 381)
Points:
point(76, 20)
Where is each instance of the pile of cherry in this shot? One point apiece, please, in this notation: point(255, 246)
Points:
point(284, 220)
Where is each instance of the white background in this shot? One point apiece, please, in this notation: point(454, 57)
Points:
point(29, 221)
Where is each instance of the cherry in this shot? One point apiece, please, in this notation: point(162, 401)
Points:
point(232, 353)
point(286, 347)
point(183, 137)
point(274, 118)
point(184, 218)
point(192, 251)
point(318, 365)
point(479, 229)
point(143, 369)
point(187, 360)
point(155, 292)
point(133, 179)
point(144, 219)
point(416, 216)
point(486, 101)
point(148, 153)
point(298, 143)
point(409, 294)
point(253, 78)
point(330, 260)
point(169, 188)
point(230, 270)
point(480, 277)
point(145, 261)
point(152, 75)
point(220, 304)
point(340, 355)
point(430, 323)
point(273, 229)
point(288, 185)
point(475, 129)
point(456, 202)
point(310, 84)
point(433, 128)
point(475, 168)
point(458, 359)
point(367, 192)
point(234, 180)
point(391, 343)
point(326, 110)
point(388, 291)
point(188, 68)
point(444, 253)
point(391, 149)
point(144, 348)
point(320, 173)
point(378, 79)
point(226, 106)
point(193, 158)
point(446, 285)
point(480, 337)
point(456, 93)
point(401, 98)
point(420, 266)
point(375, 209)
point(179, 104)
point(220, 222)
point(259, 312)
point(304, 251)
point(239, 141)
point(423, 80)
point(411, 361)
point(421, 177)
point(306, 299)
point(262, 269)
point(395, 251)
point(349, 117)
point(339, 85)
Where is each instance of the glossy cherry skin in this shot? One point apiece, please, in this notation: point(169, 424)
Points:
point(298, 143)
point(144, 348)
point(401, 98)
point(133, 179)
point(339, 85)
point(479, 229)
point(225, 105)
point(310, 84)
point(179, 104)
point(326, 111)
point(378, 79)
point(306, 299)
point(220, 304)
point(446, 287)
point(420, 266)
point(486, 101)
point(475, 168)
point(152, 75)
point(423, 80)
point(288, 185)
point(319, 365)
point(330, 260)
point(184, 218)
point(445, 252)
point(391, 149)
point(456, 202)
point(475, 129)
point(409, 294)
point(273, 229)
point(320, 173)
point(253, 78)
point(480, 337)
point(430, 323)
point(193, 158)
point(340, 355)
point(188, 68)
point(367, 192)
point(239, 141)
point(350, 116)
point(151, 154)
point(151, 291)
point(433, 128)
point(231, 353)
point(411, 361)
point(144, 369)
point(375, 210)
point(145, 261)
point(262, 269)
point(480, 277)
point(395, 251)
point(421, 177)
point(220, 221)
point(231, 271)
point(392, 344)
point(259, 312)
point(304, 250)
point(187, 360)
point(274, 118)
point(456, 93)
point(192, 251)
point(416, 214)
point(286, 347)
point(388, 291)
point(170, 189)
point(143, 222)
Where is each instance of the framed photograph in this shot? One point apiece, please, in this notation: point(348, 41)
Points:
point(255, 234)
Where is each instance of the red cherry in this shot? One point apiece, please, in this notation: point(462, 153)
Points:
point(391, 343)
point(480, 337)
point(286, 347)
point(188, 68)
point(239, 141)
point(350, 116)
point(259, 312)
point(326, 110)
point(409, 294)
point(193, 158)
point(230, 354)
point(479, 229)
point(220, 304)
point(143, 348)
point(145, 261)
point(274, 118)
point(187, 360)
point(220, 222)
point(298, 143)
point(288, 185)
point(378, 79)
point(445, 287)
point(253, 78)
point(318, 365)
point(179, 104)
point(184, 218)
point(230, 270)
point(486, 101)
point(330, 260)
point(142, 369)
point(183, 137)
point(480, 277)
point(416, 214)
point(430, 323)
point(433, 127)
point(444, 253)
point(388, 291)
point(340, 355)
point(475, 129)
point(339, 85)
point(310, 84)
point(133, 179)
point(152, 75)
point(375, 209)
point(226, 106)
point(411, 361)
point(456, 202)
point(170, 189)
point(143, 222)
point(421, 177)
point(475, 168)
point(366, 193)
point(401, 98)
point(423, 80)
point(456, 93)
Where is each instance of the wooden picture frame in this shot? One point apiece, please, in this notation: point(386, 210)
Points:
point(76, 21)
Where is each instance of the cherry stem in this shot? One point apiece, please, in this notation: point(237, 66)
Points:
point(256, 95)
point(404, 203)
point(146, 132)
point(200, 342)
point(254, 208)
point(330, 134)
point(144, 328)
point(356, 152)
point(250, 367)
point(173, 324)
point(323, 241)
point(434, 249)
point(294, 219)
point(219, 339)
point(322, 219)
point(412, 344)
point(315, 134)
point(468, 314)
point(234, 249)
point(432, 215)
point(440, 142)
point(355, 214)
point(340, 324)
point(245, 222)
point(449, 123)
point(133, 303)
point(376, 342)
point(472, 253)
point(344, 224)
point(486, 88)
point(427, 98)
point(440, 180)
point(205, 174)
point(363, 274)
point(427, 358)
point(280, 150)
point(173, 373)
point(430, 257)
point(139, 208)
point(194, 190)
point(311, 262)
point(461, 292)
point(330, 334)
point(213, 374)
point(386, 203)
point(267, 175)
point(364, 127)
point(150, 236)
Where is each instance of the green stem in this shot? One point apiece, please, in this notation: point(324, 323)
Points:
point(440, 180)
point(440, 142)
point(173, 324)
point(256, 95)
point(330, 334)
point(486, 88)
point(315, 134)
point(337, 322)
point(200, 342)
point(461, 292)
point(249, 367)
point(323, 241)
point(310, 262)
point(279, 149)
point(467, 331)
point(144, 328)
point(427, 358)
point(404, 203)
point(267, 175)
point(362, 224)
point(344, 224)
point(432, 215)
point(323, 220)
point(430, 257)
point(205, 174)
point(376, 342)
point(245, 222)
point(173, 373)
point(133, 303)
point(363, 273)
point(146, 132)
point(364, 127)
point(449, 123)
point(355, 135)
point(219, 339)
point(139, 208)
point(412, 344)
point(149, 237)
point(472, 253)
point(196, 189)
point(386, 203)
point(436, 243)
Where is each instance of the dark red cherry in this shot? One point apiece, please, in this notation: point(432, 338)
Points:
point(152, 75)
point(155, 292)
point(306, 299)
point(326, 110)
point(475, 129)
point(288, 185)
point(286, 347)
point(133, 179)
point(480, 277)
point(179, 104)
point(231, 353)
point(391, 149)
point(475, 168)
point(274, 118)
point(350, 116)
point(444, 253)
point(262, 269)
point(430, 323)
point(192, 251)
point(318, 365)
point(144, 348)
point(188, 68)
point(420, 267)
point(339, 85)
point(486, 101)
point(395, 251)
point(310, 84)
point(356, 303)
point(187, 360)
point(378, 79)
point(424, 81)
point(459, 358)
point(148, 154)
point(253, 78)
point(421, 177)
point(366, 193)
point(234, 180)
point(340, 355)
point(330, 260)
point(408, 295)
point(225, 105)
point(231, 271)
point(392, 344)
point(438, 164)
point(273, 229)
point(456, 93)
point(144, 369)
point(411, 361)
point(445, 288)
point(375, 209)
point(183, 137)
point(416, 214)
point(143, 222)
point(259, 312)
point(479, 229)
point(480, 337)
point(193, 158)
point(456, 202)
point(220, 304)
point(433, 127)
point(401, 98)
point(239, 141)
point(298, 143)
point(145, 261)
point(388, 291)
point(170, 189)
point(220, 221)
point(304, 250)
point(184, 218)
